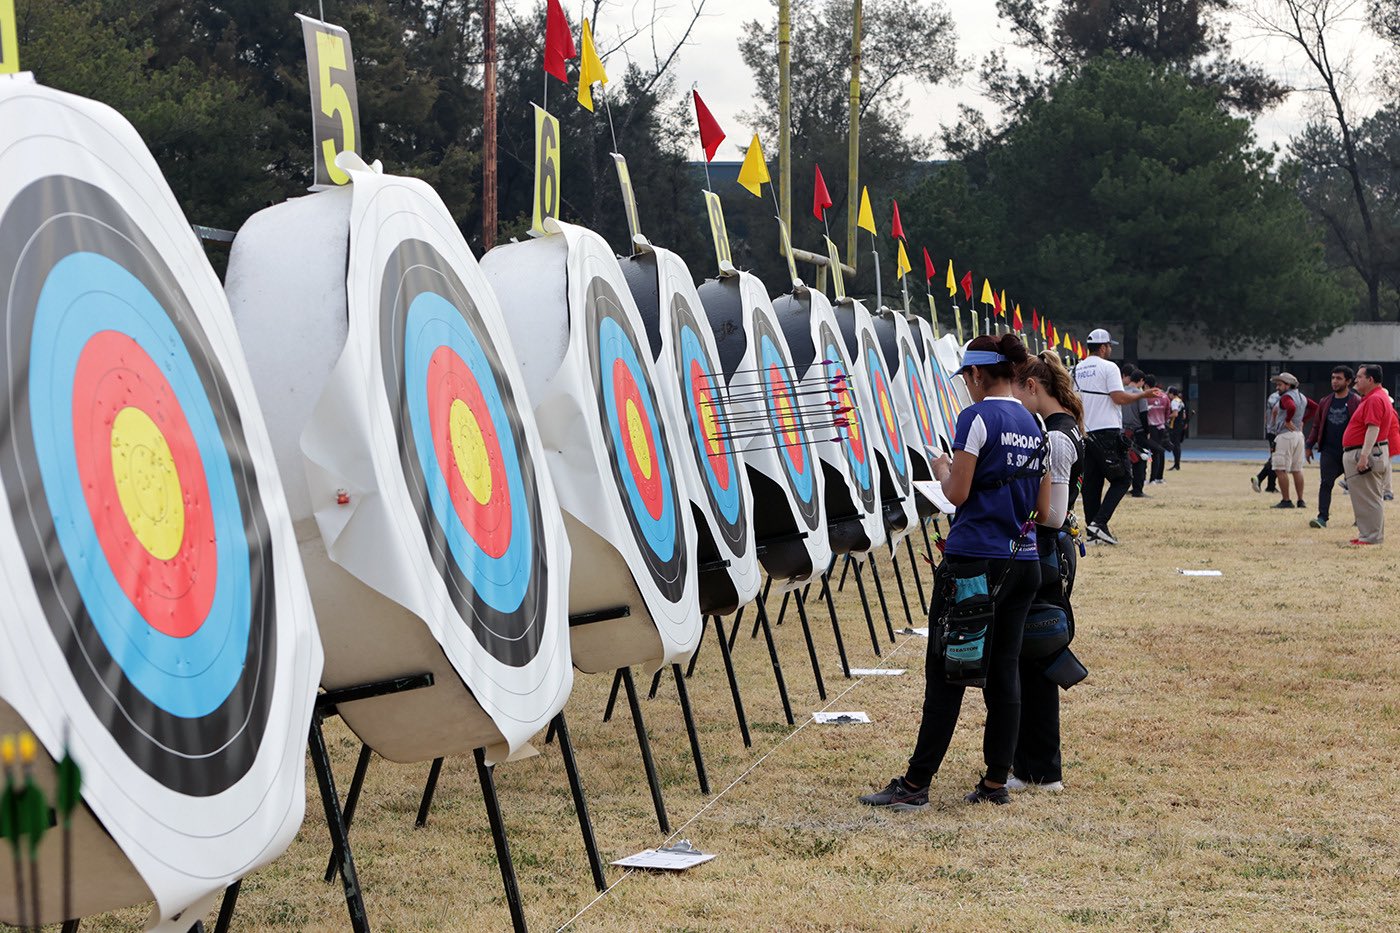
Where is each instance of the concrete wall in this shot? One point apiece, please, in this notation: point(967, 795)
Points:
point(1350, 344)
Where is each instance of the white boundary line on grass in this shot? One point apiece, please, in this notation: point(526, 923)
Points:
point(856, 682)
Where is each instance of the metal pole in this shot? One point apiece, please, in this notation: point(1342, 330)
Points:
point(488, 127)
point(585, 825)
point(733, 681)
point(785, 112)
point(485, 775)
point(853, 159)
point(648, 765)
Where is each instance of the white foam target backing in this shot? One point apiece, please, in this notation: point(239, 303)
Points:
point(612, 446)
point(153, 610)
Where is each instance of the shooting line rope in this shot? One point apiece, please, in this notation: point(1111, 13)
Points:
point(855, 682)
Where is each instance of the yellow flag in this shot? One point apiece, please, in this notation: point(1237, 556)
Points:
point(902, 268)
point(952, 282)
point(866, 218)
point(1066, 343)
point(987, 297)
point(590, 69)
point(1002, 311)
point(754, 172)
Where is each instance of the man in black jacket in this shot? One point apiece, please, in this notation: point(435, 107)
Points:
point(1326, 436)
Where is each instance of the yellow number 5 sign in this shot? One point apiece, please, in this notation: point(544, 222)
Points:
point(335, 108)
point(9, 39)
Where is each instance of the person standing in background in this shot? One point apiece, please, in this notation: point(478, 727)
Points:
point(1326, 438)
point(1134, 416)
point(1100, 387)
point(1178, 420)
point(1158, 407)
point(1266, 480)
point(1291, 409)
point(1365, 452)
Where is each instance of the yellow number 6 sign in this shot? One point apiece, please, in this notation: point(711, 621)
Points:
point(9, 39)
point(547, 193)
point(335, 108)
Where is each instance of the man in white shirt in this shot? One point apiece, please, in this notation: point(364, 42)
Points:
point(1100, 387)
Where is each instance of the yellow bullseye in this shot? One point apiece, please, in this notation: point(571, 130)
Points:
point(709, 425)
point(637, 435)
point(469, 451)
point(785, 419)
point(148, 485)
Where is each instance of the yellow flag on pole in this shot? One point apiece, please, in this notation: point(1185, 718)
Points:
point(1066, 343)
point(590, 69)
point(952, 282)
point(987, 296)
point(902, 267)
point(754, 172)
point(866, 218)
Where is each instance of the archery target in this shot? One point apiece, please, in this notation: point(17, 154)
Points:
point(788, 429)
point(855, 442)
point(886, 414)
point(909, 397)
point(147, 544)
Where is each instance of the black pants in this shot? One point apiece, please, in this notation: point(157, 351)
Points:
point(1098, 504)
point(1140, 466)
point(943, 702)
point(1037, 759)
point(1176, 435)
point(1156, 442)
point(1330, 465)
point(1266, 472)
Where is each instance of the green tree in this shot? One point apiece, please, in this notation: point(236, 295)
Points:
point(1127, 193)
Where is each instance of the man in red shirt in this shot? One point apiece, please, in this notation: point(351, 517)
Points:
point(1366, 454)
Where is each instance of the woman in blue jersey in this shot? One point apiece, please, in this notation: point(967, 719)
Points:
point(997, 480)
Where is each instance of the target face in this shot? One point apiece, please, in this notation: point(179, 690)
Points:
point(785, 423)
point(463, 451)
point(707, 417)
point(134, 496)
point(843, 393)
point(885, 413)
point(947, 403)
point(638, 455)
point(922, 417)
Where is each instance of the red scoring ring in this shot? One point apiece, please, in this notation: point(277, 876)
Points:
point(791, 437)
point(624, 390)
point(173, 596)
point(886, 410)
point(450, 379)
point(925, 424)
point(853, 433)
point(702, 399)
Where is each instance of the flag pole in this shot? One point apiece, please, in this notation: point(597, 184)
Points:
point(879, 291)
point(853, 147)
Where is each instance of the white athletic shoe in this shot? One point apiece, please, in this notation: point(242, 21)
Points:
point(1016, 785)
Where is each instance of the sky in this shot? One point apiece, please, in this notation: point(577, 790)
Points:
point(711, 58)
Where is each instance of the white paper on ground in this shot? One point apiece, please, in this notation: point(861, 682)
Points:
point(921, 632)
point(840, 718)
point(1199, 573)
point(678, 857)
point(876, 671)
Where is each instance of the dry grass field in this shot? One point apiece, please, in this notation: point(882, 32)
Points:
point(1232, 763)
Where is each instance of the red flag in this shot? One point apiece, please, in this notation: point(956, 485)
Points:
point(996, 304)
point(558, 42)
point(710, 133)
point(929, 270)
point(821, 198)
point(1054, 337)
point(966, 283)
point(897, 228)
point(1035, 320)
point(1016, 321)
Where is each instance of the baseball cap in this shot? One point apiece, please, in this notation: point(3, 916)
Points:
point(1099, 335)
point(1287, 378)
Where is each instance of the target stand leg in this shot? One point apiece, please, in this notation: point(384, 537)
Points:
point(486, 775)
point(656, 683)
point(695, 753)
point(811, 648)
point(880, 592)
point(612, 697)
point(739, 617)
point(644, 744)
point(335, 822)
point(429, 789)
point(782, 610)
point(227, 906)
point(865, 605)
point(840, 587)
point(352, 800)
point(777, 663)
point(695, 655)
point(899, 582)
point(835, 625)
point(733, 681)
point(585, 824)
point(918, 579)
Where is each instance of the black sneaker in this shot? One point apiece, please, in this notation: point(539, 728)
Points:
point(1101, 533)
point(898, 795)
point(1301, 504)
point(1282, 504)
point(984, 794)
